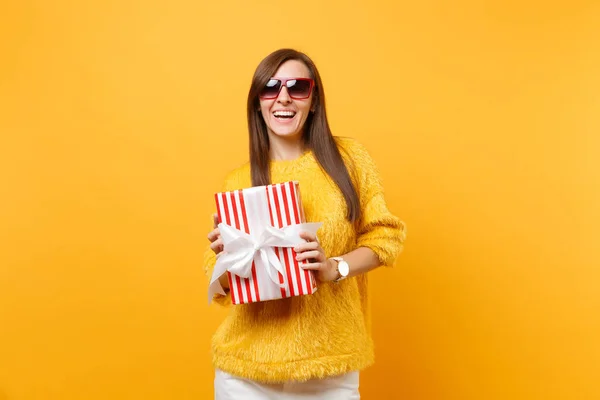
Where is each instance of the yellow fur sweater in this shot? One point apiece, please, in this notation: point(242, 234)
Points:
point(327, 333)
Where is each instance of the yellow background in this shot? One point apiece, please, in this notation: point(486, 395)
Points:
point(119, 119)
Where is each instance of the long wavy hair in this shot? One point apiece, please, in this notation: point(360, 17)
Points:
point(317, 135)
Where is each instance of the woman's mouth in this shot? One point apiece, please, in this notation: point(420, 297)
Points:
point(284, 116)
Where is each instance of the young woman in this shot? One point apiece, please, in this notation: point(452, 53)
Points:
point(308, 346)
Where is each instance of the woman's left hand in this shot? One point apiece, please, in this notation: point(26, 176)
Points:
point(325, 269)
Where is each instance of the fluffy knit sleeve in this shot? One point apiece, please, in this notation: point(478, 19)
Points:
point(232, 182)
point(377, 229)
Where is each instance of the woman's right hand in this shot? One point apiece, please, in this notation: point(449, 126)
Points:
point(216, 243)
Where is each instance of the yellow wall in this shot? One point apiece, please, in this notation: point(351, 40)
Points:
point(118, 120)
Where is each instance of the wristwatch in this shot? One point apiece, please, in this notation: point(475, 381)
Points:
point(343, 269)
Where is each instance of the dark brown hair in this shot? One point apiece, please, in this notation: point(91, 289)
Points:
point(317, 134)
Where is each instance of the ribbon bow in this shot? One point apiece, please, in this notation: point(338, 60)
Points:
point(240, 249)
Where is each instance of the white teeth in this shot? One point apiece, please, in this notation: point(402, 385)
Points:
point(284, 113)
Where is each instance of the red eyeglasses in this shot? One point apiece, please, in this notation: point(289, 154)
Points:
point(298, 88)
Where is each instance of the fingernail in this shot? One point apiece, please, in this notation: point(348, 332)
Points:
point(297, 258)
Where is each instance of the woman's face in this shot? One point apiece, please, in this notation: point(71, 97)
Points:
point(284, 116)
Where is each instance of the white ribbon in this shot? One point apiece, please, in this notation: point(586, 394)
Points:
point(241, 249)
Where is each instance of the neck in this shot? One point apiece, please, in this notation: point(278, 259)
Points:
point(285, 148)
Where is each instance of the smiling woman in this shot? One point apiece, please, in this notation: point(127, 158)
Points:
point(285, 102)
point(288, 81)
point(290, 139)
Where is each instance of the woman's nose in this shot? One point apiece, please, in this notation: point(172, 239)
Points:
point(284, 96)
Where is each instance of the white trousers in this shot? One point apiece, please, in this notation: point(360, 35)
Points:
point(229, 387)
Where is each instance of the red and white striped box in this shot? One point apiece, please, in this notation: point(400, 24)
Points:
point(241, 209)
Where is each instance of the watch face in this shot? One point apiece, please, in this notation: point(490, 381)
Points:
point(343, 268)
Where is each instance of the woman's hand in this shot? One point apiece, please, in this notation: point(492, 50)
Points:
point(325, 269)
point(216, 243)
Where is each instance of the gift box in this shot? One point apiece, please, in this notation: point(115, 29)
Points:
point(259, 227)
